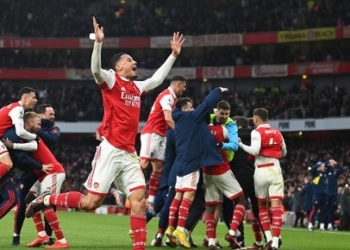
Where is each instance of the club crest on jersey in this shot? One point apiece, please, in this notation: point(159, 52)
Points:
point(96, 184)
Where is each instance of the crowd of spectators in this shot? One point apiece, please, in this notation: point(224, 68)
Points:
point(81, 101)
point(68, 18)
point(337, 50)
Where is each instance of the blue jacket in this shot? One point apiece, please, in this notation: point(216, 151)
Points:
point(195, 145)
point(49, 133)
point(332, 179)
point(307, 193)
point(319, 179)
point(21, 159)
point(170, 155)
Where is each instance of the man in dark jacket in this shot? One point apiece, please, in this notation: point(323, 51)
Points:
point(243, 168)
point(319, 181)
point(195, 148)
point(334, 170)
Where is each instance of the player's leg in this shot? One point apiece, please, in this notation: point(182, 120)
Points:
point(189, 186)
point(174, 207)
point(229, 187)
point(196, 212)
point(8, 193)
point(155, 152)
point(5, 161)
point(25, 182)
point(168, 195)
point(276, 196)
point(53, 182)
point(212, 198)
point(131, 181)
point(41, 238)
point(261, 185)
point(107, 160)
point(145, 150)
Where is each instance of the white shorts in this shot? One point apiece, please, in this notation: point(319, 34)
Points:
point(217, 185)
point(113, 164)
point(152, 146)
point(187, 182)
point(269, 182)
point(3, 149)
point(51, 182)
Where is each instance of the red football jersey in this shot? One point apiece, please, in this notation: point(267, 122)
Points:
point(9, 112)
point(220, 135)
point(271, 142)
point(122, 104)
point(156, 122)
point(44, 156)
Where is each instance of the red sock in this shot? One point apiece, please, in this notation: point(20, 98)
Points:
point(70, 200)
point(38, 223)
point(183, 212)
point(160, 231)
point(276, 221)
point(154, 181)
point(210, 226)
point(4, 169)
point(256, 230)
point(139, 232)
point(54, 223)
point(237, 217)
point(174, 207)
point(264, 218)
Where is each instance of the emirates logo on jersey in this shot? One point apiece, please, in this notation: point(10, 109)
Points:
point(131, 100)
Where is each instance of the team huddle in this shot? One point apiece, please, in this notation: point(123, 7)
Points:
point(200, 157)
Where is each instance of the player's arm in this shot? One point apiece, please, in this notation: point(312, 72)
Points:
point(16, 115)
point(255, 144)
point(208, 104)
point(284, 148)
point(100, 75)
point(167, 103)
point(50, 136)
point(159, 76)
point(232, 144)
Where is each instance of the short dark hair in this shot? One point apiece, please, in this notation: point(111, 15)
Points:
point(223, 105)
point(181, 102)
point(178, 78)
point(42, 108)
point(25, 90)
point(115, 59)
point(29, 115)
point(262, 113)
point(241, 121)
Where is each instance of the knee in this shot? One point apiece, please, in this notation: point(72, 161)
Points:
point(90, 204)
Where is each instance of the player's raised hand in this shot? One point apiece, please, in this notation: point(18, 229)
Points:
point(99, 35)
point(223, 89)
point(176, 43)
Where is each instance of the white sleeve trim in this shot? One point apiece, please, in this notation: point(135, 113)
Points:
point(100, 75)
point(28, 146)
point(166, 102)
point(158, 77)
point(255, 144)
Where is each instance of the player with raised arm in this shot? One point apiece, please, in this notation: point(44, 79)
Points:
point(116, 159)
point(153, 135)
point(12, 115)
point(268, 146)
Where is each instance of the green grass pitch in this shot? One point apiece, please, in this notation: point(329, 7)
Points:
point(92, 231)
